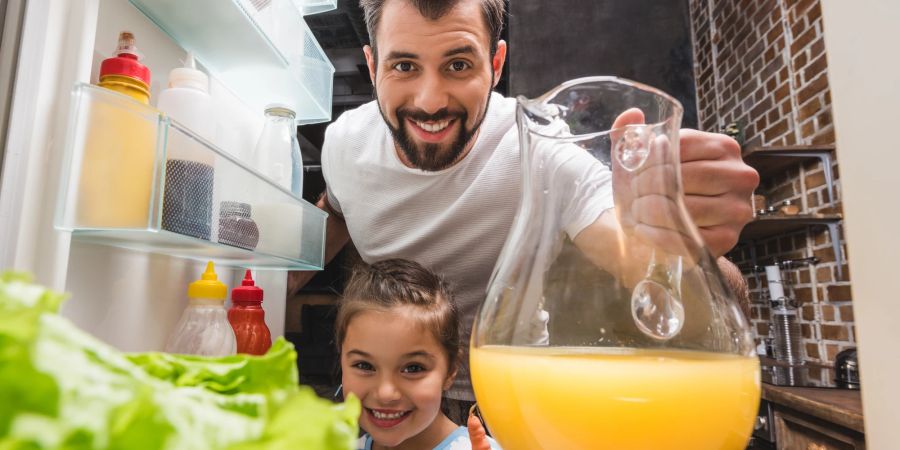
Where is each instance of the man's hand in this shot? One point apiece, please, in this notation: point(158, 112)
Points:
point(336, 237)
point(717, 187)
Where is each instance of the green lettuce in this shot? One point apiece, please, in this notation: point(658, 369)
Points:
point(61, 388)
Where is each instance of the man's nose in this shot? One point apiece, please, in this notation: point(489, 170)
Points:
point(432, 95)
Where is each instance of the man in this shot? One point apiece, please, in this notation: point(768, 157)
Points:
point(429, 171)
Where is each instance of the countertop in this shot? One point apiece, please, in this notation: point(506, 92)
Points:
point(839, 406)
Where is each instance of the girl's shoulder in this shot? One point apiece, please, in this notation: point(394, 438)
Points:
point(364, 442)
point(459, 440)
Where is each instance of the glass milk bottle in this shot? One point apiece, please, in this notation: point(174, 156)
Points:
point(277, 153)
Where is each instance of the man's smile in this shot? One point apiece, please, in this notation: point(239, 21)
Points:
point(432, 131)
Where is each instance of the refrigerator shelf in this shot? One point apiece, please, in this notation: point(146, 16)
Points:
point(179, 245)
point(261, 49)
point(308, 7)
point(133, 178)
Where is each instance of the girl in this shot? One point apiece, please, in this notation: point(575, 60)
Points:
point(397, 332)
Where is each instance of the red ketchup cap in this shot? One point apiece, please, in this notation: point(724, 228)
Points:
point(247, 292)
point(126, 62)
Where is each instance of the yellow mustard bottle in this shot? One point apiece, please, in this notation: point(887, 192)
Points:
point(120, 146)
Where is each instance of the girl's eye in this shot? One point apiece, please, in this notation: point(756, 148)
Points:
point(458, 66)
point(414, 368)
point(403, 67)
point(362, 365)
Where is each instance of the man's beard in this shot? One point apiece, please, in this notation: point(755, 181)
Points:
point(431, 157)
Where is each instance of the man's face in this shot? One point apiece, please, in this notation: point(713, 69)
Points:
point(433, 80)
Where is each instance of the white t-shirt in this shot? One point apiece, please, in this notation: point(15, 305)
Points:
point(454, 221)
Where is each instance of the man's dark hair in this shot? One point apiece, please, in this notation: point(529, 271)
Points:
point(492, 12)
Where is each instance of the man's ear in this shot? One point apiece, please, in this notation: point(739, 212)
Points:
point(370, 61)
point(498, 61)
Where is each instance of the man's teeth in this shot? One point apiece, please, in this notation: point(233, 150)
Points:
point(433, 127)
point(383, 416)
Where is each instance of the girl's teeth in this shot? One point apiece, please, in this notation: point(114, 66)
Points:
point(433, 127)
point(379, 415)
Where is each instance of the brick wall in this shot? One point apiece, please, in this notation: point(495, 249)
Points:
point(762, 63)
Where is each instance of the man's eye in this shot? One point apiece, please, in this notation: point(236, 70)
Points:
point(413, 368)
point(459, 66)
point(403, 67)
point(362, 365)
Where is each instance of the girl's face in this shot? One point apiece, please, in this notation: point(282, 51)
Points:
point(398, 370)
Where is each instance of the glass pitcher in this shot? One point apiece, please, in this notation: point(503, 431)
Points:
point(606, 322)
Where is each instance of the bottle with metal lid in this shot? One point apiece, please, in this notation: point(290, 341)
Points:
point(124, 73)
point(236, 228)
point(277, 153)
point(789, 208)
point(247, 318)
point(204, 328)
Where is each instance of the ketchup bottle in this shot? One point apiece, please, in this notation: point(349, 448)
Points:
point(248, 318)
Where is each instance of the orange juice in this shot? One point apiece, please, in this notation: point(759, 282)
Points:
point(608, 398)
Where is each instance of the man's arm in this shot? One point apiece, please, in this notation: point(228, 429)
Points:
point(336, 237)
point(736, 282)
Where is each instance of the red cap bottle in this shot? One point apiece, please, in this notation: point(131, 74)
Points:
point(124, 73)
point(248, 318)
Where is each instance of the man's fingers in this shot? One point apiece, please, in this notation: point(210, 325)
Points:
point(633, 116)
point(661, 180)
point(719, 239)
point(709, 211)
point(666, 240)
point(657, 211)
point(700, 146)
point(716, 177)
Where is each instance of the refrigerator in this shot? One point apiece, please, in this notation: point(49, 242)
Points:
point(129, 286)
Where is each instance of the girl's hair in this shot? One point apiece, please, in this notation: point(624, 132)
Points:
point(398, 282)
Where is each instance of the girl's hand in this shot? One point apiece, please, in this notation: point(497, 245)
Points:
point(477, 435)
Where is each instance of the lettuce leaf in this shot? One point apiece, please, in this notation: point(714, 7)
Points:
point(61, 388)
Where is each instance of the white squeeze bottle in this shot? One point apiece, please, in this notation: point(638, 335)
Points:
point(187, 99)
point(204, 328)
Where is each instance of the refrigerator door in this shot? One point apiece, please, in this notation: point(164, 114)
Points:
point(12, 14)
point(130, 299)
point(56, 41)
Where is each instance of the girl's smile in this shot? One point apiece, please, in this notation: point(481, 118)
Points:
point(386, 418)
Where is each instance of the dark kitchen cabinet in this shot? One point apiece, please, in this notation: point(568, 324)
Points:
point(795, 431)
point(812, 419)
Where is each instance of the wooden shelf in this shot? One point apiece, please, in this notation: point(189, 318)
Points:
point(766, 226)
point(769, 161)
